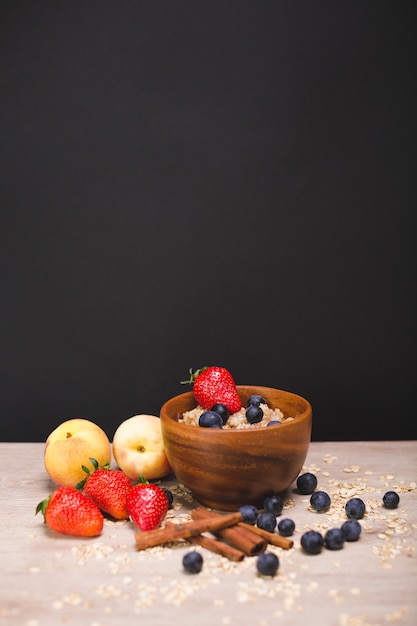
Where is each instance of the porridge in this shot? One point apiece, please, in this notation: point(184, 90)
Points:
point(238, 420)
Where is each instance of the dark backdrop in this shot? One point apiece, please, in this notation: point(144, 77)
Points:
point(192, 183)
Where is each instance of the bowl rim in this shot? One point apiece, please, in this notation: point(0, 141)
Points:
point(304, 416)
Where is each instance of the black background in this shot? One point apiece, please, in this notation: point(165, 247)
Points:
point(207, 183)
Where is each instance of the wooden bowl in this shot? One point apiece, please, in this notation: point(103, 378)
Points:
point(225, 468)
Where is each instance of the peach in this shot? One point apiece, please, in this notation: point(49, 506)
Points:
point(138, 448)
point(70, 446)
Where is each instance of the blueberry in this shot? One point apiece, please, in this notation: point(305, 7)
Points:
point(334, 539)
point(169, 495)
point(286, 527)
point(351, 529)
point(254, 414)
point(355, 508)
point(312, 542)
point(249, 513)
point(256, 400)
point(391, 499)
point(267, 521)
point(210, 419)
point(273, 504)
point(320, 501)
point(273, 423)
point(267, 564)
point(306, 483)
point(222, 410)
point(193, 562)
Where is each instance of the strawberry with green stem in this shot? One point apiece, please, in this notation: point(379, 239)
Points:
point(214, 385)
point(108, 488)
point(147, 504)
point(68, 511)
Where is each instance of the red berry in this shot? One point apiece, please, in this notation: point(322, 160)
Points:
point(70, 512)
point(215, 385)
point(108, 489)
point(147, 505)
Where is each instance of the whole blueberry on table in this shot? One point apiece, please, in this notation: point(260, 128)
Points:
point(320, 501)
point(306, 483)
point(273, 504)
point(249, 513)
point(254, 414)
point(267, 521)
point(334, 539)
point(210, 419)
point(267, 563)
point(192, 562)
point(222, 410)
point(286, 527)
point(256, 400)
point(351, 529)
point(391, 499)
point(355, 508)
point(312, 542)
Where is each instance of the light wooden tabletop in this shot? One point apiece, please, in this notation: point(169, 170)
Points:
point(49, 579)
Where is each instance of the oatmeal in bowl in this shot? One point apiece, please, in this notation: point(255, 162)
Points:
point(239, 419)
point(226, 467)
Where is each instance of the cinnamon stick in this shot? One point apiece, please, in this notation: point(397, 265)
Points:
point(272, 538)
point(158, 536)
point(242, 538)
point(218, 547)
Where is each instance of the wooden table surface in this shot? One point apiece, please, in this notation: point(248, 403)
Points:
point(50, 579)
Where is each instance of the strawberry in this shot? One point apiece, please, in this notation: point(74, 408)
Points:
point(108, 488)
point(147, 504)
point(215, 385)
point(67, 510)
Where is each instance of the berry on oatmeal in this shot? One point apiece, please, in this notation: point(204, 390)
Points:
point(212, 385)
point(222, 410)
point(254, 414)
point(256, 400)
point(210, 419)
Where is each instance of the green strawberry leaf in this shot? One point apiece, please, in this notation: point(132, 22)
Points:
point(41, 506)
point(94, 462)
point(193, 375)
point(85, 469)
